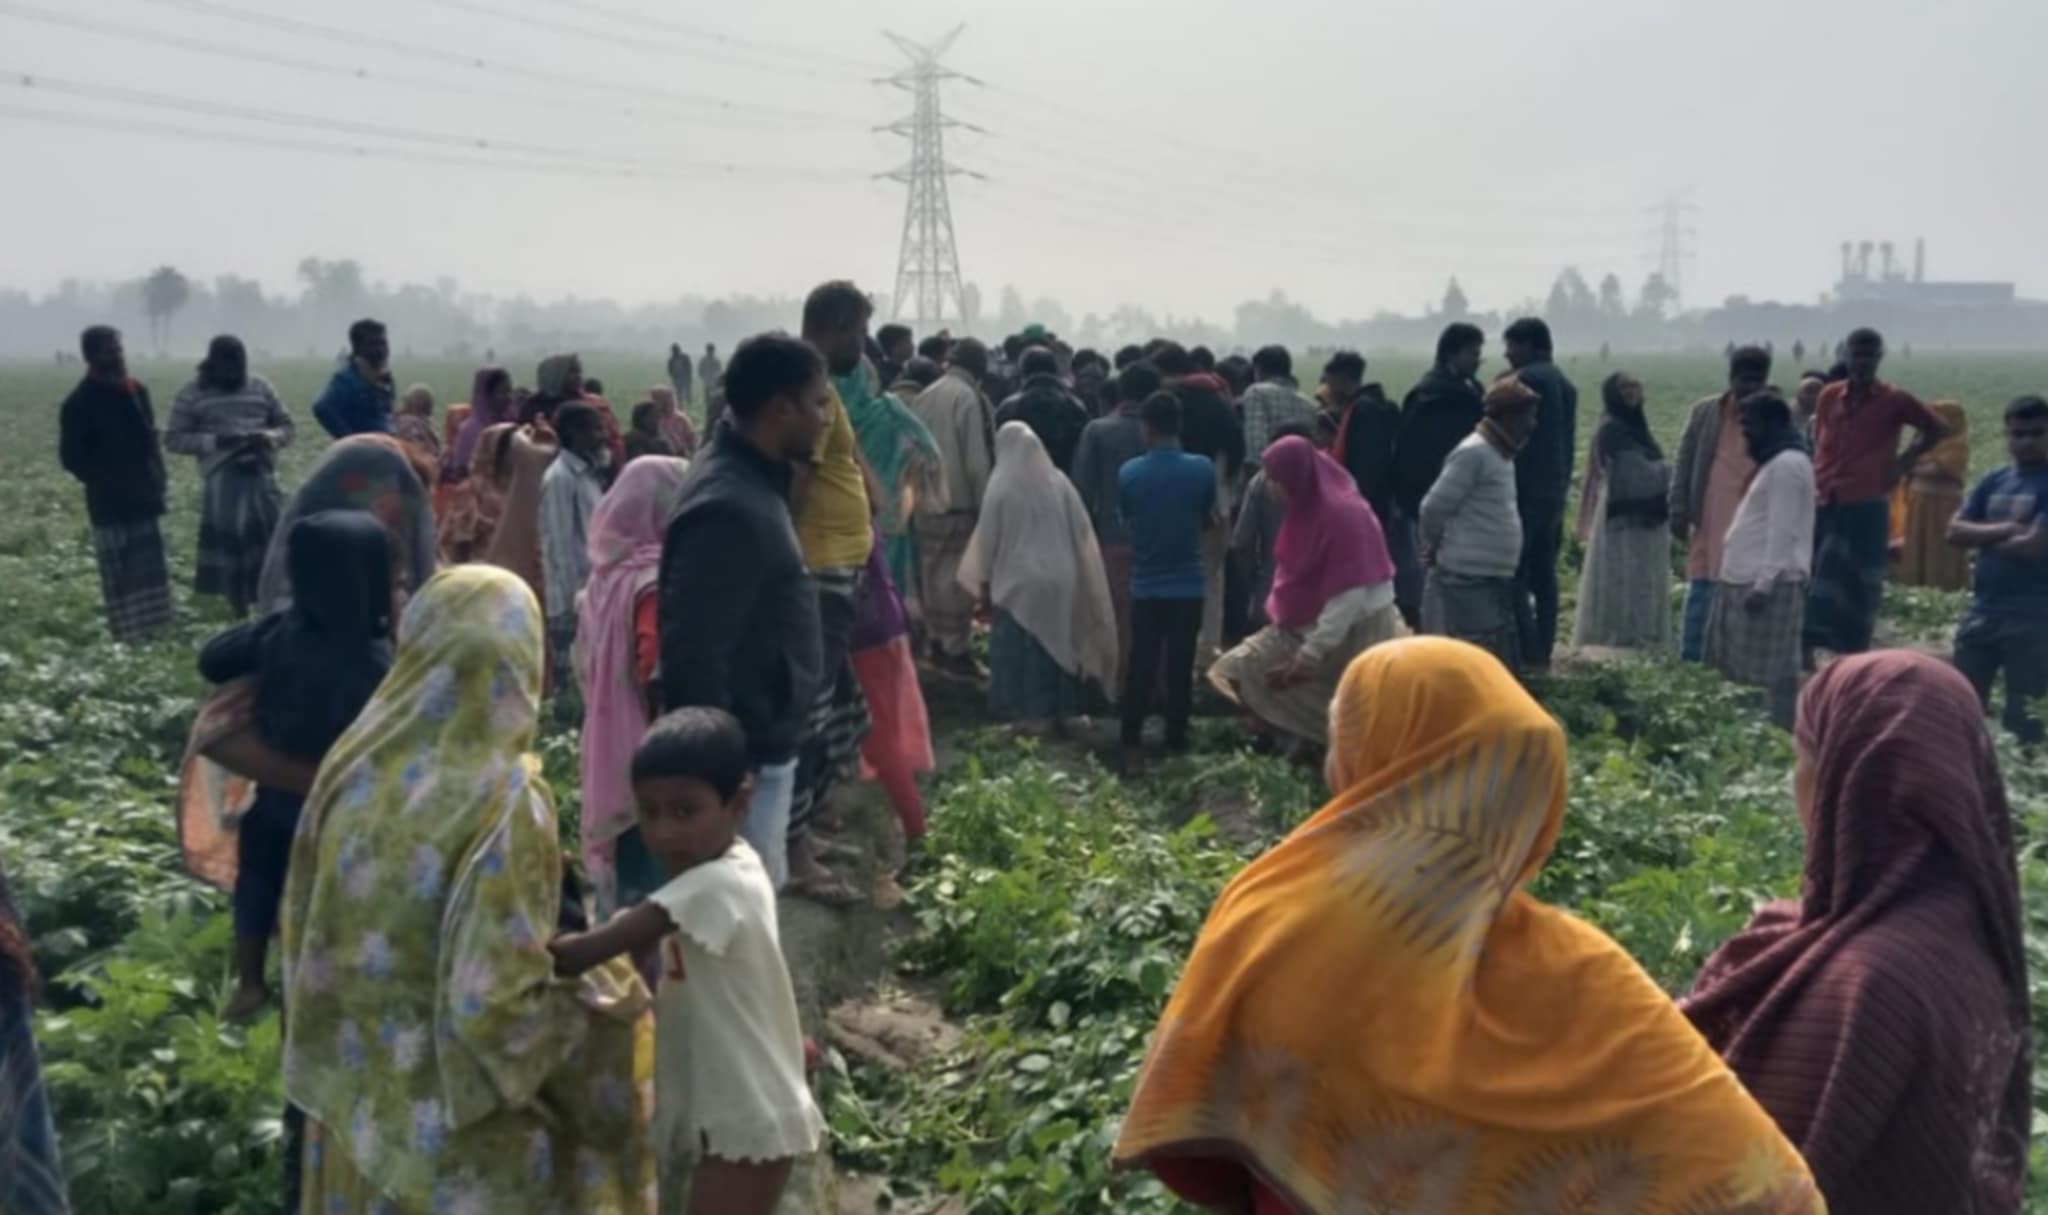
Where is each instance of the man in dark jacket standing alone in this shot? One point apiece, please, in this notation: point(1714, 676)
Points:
point(1543, 478)
point(738, 609)
point(108, 440)
point(1440, 412)
point(357, 401)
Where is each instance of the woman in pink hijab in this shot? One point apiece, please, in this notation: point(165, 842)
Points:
point(1332, 597)
point(675, 425)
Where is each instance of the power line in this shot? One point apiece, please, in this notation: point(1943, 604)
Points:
point(723, 110)
point(474, 143)
point(461, 59)
point(584, 171)
point(732, 40)
point(636, 41)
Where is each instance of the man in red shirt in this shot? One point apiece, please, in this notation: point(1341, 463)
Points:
point(1856, 461)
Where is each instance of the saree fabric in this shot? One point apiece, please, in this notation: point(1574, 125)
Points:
point(1882, 1017)
point(362, 472)
point(440, 1061)
point(625, 561)
point(1377, 1017)
point(900, 449)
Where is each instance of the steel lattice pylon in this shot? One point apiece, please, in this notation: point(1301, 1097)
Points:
point(928, 261)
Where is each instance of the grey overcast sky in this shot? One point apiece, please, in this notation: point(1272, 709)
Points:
point(1353, 153)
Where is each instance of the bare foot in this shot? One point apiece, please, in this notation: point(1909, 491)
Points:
point(246, 1004)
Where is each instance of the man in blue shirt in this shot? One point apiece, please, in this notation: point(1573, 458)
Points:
point(357, 400)
point(1168, 499)
point(2005, 519)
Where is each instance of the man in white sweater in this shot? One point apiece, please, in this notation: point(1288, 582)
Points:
point(1472, 531)
point(1766, 561)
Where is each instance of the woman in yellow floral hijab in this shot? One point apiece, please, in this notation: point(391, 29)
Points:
point(441, 1064)
point(1377, 1017)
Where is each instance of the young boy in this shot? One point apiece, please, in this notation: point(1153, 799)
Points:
point(732, 1095)
point(1168, 500)
point(2005, 519)
point(1760, 592)
point(1472, 530)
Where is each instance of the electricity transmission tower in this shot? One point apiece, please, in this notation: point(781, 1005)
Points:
point(928, 261)
point(1676, 243)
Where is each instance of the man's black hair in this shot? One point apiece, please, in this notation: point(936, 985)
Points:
point(835, 306)
point(576, 417)
point(934, 347)
point(1013, 346)
point(1271, 361)
point(1086, 357)
point(1126, 355)
point(1138, 381)
point(921, 371)
point(1751, 360)
point(1172, 360)
point(1457, 337)
point(700, 744)
point(1347, 363)
point(96, 339)
point(1236, 372)
point(970, 355)
point(2029, 408)
point(360, 333)
point(1038, 361)
point(767, 366)
point(1530, 331)
point(592, 386)
point(891, 333)
point(1161, 414)
point(1864, 337)
point(1203, 358)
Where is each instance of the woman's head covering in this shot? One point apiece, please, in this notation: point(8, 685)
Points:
point(1910, 877)
point(1330, 540)
point(674, 424)
point(1377, 1012)
point(484, 413)
point(625, 559)
point(226, 366)
point(1622, 424)
point(556, 378)
point(477, 502)
point(425, 882)
point(373, 473)
point(1035, 549)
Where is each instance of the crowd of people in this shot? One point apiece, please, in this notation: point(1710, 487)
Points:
point(737, 618)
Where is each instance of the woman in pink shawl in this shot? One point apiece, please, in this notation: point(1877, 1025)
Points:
point(618, 644)
point(1332, 597)
point(490, 404)
point(674, 423)
point(1882, 1017)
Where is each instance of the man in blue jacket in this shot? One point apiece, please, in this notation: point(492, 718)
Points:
point(357, 401)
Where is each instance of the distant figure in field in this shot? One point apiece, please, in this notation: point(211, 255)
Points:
point(357, 401)
point(1712, 473)
point(1625, 593)
point(679, 370)
point(2005, 519)
point(108, 441)
point(1439, 413)
point(1543, 478)
point(1799, 351)
point(234, 424)
point(710, 369)
point(1856, 461)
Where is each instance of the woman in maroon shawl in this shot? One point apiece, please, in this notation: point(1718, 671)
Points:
point(1882, 1018)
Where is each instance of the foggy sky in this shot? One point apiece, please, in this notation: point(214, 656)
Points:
point(1182, 157)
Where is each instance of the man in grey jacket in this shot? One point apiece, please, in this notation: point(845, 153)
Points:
point(1472, 530)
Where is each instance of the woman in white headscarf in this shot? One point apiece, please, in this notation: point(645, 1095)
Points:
point(1033, 558)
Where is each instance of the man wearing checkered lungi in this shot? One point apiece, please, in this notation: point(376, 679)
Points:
point(1753, 629)
point(233, 422)
point(108, 440)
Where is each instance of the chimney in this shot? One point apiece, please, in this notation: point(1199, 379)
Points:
point(1919, 259)
point(1863, 249)
point(1846, 273)
point(1886, 250)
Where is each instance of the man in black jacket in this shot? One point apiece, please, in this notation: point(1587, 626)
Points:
point(1043, 403)
point(1543, 478)
point(738, 609)
point(1440, 412)
point(108, 440)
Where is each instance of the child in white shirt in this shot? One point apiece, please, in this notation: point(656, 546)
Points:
point(732, 1097)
